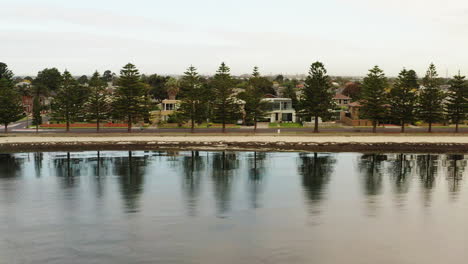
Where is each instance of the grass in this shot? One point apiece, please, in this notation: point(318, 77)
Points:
point(285, 125)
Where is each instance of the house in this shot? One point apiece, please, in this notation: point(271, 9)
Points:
point(341, 99)
point(351, 117)
point(167, 108)
point(281, 110)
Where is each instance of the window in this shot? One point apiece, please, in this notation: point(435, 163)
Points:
point(169, 107)
point(285, 105)
point(286, 117)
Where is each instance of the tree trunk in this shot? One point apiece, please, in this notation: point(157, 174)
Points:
point(255, 125)
point(37, 129)
point(430, 127)
point(6, 128)
point(402, 126)
point(456, 127)
point(316, 125)
point(68, 126)
point(224, 126)
point(374, 126)
point(129, 124)
point(192, 127)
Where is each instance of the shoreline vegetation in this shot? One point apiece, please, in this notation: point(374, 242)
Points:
point(442, 143)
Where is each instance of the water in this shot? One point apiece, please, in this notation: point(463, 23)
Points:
point(233, 207)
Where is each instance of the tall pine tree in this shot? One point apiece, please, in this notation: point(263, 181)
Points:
point(194, 102)
point(317, 95)
point(255, 107)
point(373, 96)
point(97, 105)
point(37, 118)
point(129, 102)
point(11, 109)
point(431, 108)
point(68, 102)
point(457, 104)
point(403, 98)
point(226, 107)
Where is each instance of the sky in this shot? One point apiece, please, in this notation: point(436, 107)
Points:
point(280, 37)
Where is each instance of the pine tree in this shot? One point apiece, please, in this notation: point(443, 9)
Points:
point(431, 108)
point(11, 109)
point(373, 97)
point(226, 107)
point(37, 118)
point(98, 104)
point(130, 94)
point(194, 102)
point(68, 102)
point(457, 104)
point(255, 107)
point(6, 74)
point(403, 98)
point(317, 95)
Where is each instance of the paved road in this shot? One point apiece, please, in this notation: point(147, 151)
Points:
point(20, 128)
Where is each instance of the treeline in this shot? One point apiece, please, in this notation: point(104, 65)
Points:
point(404, 100)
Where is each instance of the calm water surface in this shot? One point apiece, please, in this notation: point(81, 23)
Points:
point(232, 207)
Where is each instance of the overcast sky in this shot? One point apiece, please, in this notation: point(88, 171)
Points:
point(276, 35)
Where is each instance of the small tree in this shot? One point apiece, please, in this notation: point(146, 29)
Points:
point(194, 98)
point(255, 107)
point(403, 97)
point(97, 106)
point(67, 104)
point(37, 118)
point(373, 97)
point(11, 109)
point(317, 95)
point(129, 102)
point(457, 104)
point(226, 107)
point(431, 108)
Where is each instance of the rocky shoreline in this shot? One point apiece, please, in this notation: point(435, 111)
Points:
point(253, 143)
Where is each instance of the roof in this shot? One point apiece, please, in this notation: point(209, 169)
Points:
point(354, 104)
point(341, 96)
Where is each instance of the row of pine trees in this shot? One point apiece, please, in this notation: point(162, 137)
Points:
point(406, 101)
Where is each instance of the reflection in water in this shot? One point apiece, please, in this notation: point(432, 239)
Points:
point(193, 167)
point(370, 166)
point(256, 173)
point(10, 165)
point(131, 172)
point(59, 200)
point(224, 164)
point(316, 171)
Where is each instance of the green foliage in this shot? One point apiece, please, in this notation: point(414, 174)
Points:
point(97, 105)
point(5, 73)
point(83, 80)
point(431, 108)
point(130, 101)
point(36, 118)
point(157, 85)
point(226, 108)
point(255, 107)
point(353, 90)
point(108, 76)
point(172, 87)
point(373, 96)
point(195, 97)
point(403, 97)
point(317, 95)
point(68, 102)
point(47, 80)
point(457, 104)
point(11, 109)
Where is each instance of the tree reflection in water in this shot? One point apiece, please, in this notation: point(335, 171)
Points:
point(315, 170)
point(192, 166)
point(256, 171)
point(131, 172)
point(10, 165)
point(224, 164)
point(456, 165)
point(370, 165)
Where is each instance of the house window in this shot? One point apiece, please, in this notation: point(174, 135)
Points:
point(285, 105)
point(287, 117)
point(169, 107)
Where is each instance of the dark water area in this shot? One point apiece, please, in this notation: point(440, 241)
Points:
point(232, 207)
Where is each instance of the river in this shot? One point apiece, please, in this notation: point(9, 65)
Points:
point(232, 207)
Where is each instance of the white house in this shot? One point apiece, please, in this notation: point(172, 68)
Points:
point(281, 110)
